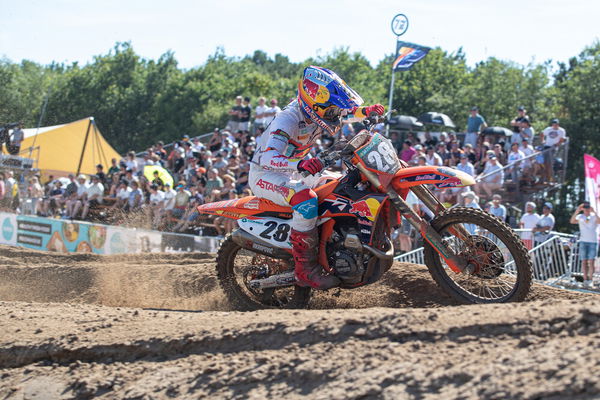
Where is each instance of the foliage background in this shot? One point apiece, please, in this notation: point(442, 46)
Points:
point(137, 101)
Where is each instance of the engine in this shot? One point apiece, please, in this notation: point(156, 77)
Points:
point(346, 257)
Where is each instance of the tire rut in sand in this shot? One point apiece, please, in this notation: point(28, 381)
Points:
point(188, 282)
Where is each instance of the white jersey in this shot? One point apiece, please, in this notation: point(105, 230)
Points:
point(287, 141)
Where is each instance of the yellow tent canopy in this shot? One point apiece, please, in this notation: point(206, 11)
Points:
point(76, 147)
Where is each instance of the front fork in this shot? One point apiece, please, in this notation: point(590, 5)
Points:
point(456, 263)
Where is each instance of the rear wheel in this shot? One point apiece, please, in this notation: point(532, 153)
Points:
point(503, 268)
point(237, 266)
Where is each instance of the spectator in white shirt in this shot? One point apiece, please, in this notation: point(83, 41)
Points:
point(552, 137)
point(157, 199)
point(272, 112)
point(588, 222)
point(493, 177)
point(73, 201)
point(92, 198)
point(432, 158)
point(122, 196)
point(260, 116)
point(528, 221)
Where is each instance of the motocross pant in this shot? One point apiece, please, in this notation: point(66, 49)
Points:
point(287, 189)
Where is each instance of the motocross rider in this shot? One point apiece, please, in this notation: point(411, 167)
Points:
point(282, 156)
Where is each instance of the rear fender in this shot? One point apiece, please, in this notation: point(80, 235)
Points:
point(441, 177)
point(241, 208)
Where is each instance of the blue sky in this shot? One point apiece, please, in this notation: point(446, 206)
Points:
point(68, 30)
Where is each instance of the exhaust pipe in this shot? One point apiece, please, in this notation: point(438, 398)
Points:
point(251, 242)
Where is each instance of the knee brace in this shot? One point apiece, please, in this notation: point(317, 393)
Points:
point(305, 202)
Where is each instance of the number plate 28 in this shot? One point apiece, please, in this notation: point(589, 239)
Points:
point(274, 231)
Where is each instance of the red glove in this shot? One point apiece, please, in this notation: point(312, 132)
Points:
point(313, 166)
point(375, 108)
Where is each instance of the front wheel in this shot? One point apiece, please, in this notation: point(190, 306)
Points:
point(502, 266)
point(236, 266)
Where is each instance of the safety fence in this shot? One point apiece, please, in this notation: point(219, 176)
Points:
point(83, 237)
point(554, 260)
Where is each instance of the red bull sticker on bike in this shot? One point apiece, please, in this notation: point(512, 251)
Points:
point(366, 208)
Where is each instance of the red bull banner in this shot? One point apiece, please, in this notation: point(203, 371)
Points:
point(592, 181)
point(407, 55)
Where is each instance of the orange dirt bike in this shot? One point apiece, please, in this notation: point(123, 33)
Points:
point(473, 256)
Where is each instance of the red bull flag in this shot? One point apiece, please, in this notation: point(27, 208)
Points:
point(592, 181)
point(408, 54)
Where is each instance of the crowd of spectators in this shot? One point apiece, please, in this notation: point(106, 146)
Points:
point(495, 160)
point(166, 183)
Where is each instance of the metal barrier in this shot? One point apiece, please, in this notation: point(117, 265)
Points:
point(553, 260)
point(414, 257)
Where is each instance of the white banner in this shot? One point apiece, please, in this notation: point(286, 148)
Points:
point(8, 229)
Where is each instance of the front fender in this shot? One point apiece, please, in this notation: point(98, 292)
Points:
point(441, 177)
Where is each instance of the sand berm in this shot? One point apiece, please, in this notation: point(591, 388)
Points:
point(158, 326)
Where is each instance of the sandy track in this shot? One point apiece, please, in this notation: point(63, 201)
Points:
point(400, 338)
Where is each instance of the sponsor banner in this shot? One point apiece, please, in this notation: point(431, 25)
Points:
point(82, 237)
point(58, 235)
point(8, 229)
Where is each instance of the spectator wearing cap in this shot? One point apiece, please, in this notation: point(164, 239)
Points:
point(272, 111)
point(419, 152)
point(218, 162)
point(235, 114)
point(552, 137)
point(475, 124)
point(544, 226)
point(514, 161)
point(470, 201)
point(491, 179)
point(588, 222)
point(528, 221)
point(92, 198)
point(516, 122)
point(497, 209)
point(182, 198)
point(465, 165)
